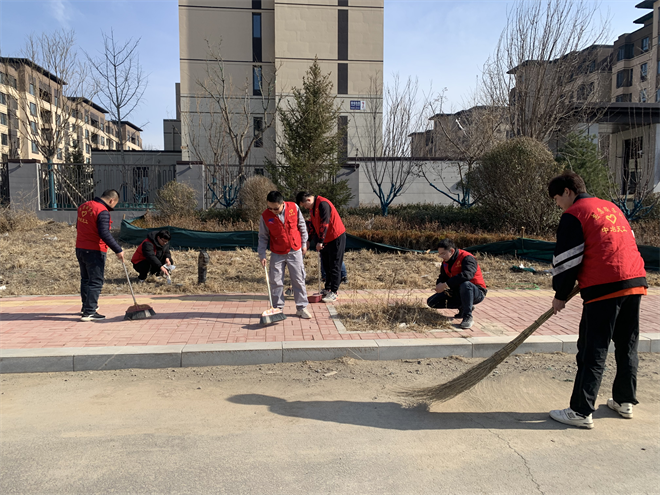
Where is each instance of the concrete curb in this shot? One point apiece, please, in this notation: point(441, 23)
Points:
point(177, 356)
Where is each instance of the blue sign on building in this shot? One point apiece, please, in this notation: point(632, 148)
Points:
point(357, 105)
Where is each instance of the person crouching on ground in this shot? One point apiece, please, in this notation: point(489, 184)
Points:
point(282, 228)
point(596, 247)
point(93, 238)
point(460, 284)
point(330, 236)
point(153, 255)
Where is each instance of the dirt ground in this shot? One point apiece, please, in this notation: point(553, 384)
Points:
point(42, 261)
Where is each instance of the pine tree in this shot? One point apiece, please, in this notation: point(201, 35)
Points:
point(581, 155)
point(309, 153)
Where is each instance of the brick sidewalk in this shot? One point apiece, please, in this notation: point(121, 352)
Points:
point(51, 321)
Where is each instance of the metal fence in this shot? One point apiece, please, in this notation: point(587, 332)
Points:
point(4, 183)
point(65, 186)
point(224, 182)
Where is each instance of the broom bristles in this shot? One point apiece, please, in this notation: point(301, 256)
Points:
point(467, 380)
point(138, 307)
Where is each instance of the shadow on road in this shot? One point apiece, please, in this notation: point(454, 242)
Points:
point(393, 416)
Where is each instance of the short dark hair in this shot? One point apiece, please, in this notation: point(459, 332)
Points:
point(164, 234)
point(568, 180)
point(301, 196)
point(275, 197)
point(446, 244)
point(110, 194)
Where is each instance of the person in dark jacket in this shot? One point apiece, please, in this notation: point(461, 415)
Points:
point(596, 247)
point(153, 255)
point(93, 238)
point(460, 284)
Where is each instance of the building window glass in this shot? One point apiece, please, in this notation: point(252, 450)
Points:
point(33, 127)
point(32, 89)
point(35, 148)
point(258, 124)
point(642, 96)
point(3, 98)
point(624, 98)
point(256, 38)
point(256, 4)
point(59, 153)
point(3, 118)
point(625, 52)
point(256, 80)
point(645, 44)
point(342, 79)
point(56, 100)
point(657, 95)
point(643, 71)
point(33, 109)
point(624, 78)
point(4, 141)
point(342, 35)
point(87, 149)
point(86, 133)
point(343, 3)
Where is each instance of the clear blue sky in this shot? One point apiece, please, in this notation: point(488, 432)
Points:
point(439, 41)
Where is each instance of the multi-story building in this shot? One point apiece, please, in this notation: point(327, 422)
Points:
point(34, 117)
point(261, 38)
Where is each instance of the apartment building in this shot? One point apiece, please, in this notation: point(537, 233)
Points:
point(260, 38)
point(35, 117)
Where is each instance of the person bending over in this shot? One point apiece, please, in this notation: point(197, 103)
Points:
point(460, 284)
point(153, 255)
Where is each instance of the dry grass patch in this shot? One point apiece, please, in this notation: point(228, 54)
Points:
point(401, 316)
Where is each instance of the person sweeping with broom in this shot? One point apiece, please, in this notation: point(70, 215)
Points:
point(596, 246)
point(93, 238)
point(282, 228)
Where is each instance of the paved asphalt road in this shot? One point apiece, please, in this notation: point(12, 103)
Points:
point(290, 429)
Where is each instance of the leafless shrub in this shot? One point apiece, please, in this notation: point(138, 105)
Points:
point(176, 199)
point(252, 197)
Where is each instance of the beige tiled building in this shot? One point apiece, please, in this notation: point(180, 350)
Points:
point(258, 38)
point(30, 108)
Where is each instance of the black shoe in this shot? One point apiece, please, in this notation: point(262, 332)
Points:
point(92, 317)
point(467, 322)
point(82, 313)
point(344, 280)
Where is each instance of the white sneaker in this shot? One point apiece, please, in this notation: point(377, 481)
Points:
point(304, 314)
point(570, 417)
point(624, 409)
point(329, 297)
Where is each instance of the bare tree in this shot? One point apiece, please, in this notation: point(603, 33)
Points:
point(119, 80)
point(459, 140)
point(384, 142)
point(55, 80)
point(547, 68)
point(207, 140)
point(238, 104)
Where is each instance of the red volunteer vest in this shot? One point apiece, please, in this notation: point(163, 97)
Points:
point(336, 227)
point(284, 237)
point(87, 236)
point(610, 251)
point(456, 268)
point(138, 255)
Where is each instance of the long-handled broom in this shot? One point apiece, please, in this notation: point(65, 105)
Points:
point(449, 390)
point(137, 311)
point(271, 315)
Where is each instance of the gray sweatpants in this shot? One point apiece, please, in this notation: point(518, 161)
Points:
point(294, 260)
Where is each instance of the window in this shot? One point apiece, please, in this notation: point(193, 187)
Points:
point(59, 153)
point(592, 67)
point(88, 160)
point(342, 79)
point(342, 35)
point(343, 3)
point(32, 89)
point(645, 44)
point(35, 148)
point(86, 133)
point(625, 52)
point(3, 97)
point(4, 140)
point(642, 96)
point(258, 124)
point(657, 95)
point(87, 149)
point(643, 71)
point(256, 80)
point(33, 127)
point(624, 78)
point(56, 100)
point(256, 38)
point(256, 4)
point(33, 109)
point(102, 141)
point(3, 118)
point(624, 98)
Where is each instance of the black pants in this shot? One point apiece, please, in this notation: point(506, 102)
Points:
point(617, 320)
point(145, 268)
point(332, 256)
point(462, 299)
point(92, 275)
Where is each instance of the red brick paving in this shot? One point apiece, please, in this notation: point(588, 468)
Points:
point(51, 321)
